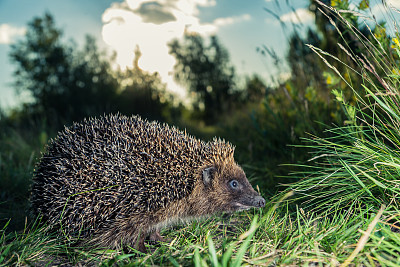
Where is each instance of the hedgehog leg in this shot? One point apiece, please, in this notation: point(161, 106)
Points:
point(157, 237)
point(140, 244)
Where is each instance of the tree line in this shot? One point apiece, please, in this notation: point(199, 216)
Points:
point(66, 83)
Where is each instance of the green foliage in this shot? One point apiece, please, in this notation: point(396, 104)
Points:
point(266, 128)
point(19, 148)
point(207, 73)
point(359, 161)
point(64, 84)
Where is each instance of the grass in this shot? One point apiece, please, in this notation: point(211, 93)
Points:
point(360, 161)
point(17, 159)
point(273, 236)
point(343, 212)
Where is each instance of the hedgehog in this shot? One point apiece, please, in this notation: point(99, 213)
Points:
point(116, 180)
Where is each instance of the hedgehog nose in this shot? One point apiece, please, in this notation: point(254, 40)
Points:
point(259, 201)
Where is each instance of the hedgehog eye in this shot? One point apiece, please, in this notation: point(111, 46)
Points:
point(234, 184)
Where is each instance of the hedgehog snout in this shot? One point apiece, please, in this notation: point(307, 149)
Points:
point(259, 202)
point(249, 201)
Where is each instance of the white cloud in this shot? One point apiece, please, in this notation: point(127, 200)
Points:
point(151, 25)
point(298, 16)
point(8, 33)
point(231, 20)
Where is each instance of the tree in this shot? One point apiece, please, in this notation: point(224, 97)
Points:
point(207, 73)
point(303, 104)
point(143, 93)
point(255, 89)
point(306, 96)
point(65, 84)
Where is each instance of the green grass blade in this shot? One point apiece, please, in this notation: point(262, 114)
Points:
point(380, 102)
point(355, 176)
point(243, 248)
point(212, 252)
point(173, 262)
point(371, 178)
point(196, 258)
point(227, 255)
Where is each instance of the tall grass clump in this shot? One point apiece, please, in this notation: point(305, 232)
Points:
point(360, 161)
point(20, 147)
point(358, 164)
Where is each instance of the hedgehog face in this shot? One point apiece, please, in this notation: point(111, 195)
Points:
point(229, 190)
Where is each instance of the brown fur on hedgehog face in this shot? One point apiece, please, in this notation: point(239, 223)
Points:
point(223, 187)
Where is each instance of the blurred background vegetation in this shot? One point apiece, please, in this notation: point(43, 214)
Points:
point(67, 83)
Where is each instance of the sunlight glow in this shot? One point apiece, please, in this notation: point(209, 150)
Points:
point(151, 25)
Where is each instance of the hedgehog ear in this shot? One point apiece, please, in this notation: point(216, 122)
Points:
point(208, 175)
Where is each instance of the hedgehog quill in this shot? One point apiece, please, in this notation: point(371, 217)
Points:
point(115, 180)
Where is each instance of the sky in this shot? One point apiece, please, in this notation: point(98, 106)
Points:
point(120, 26)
